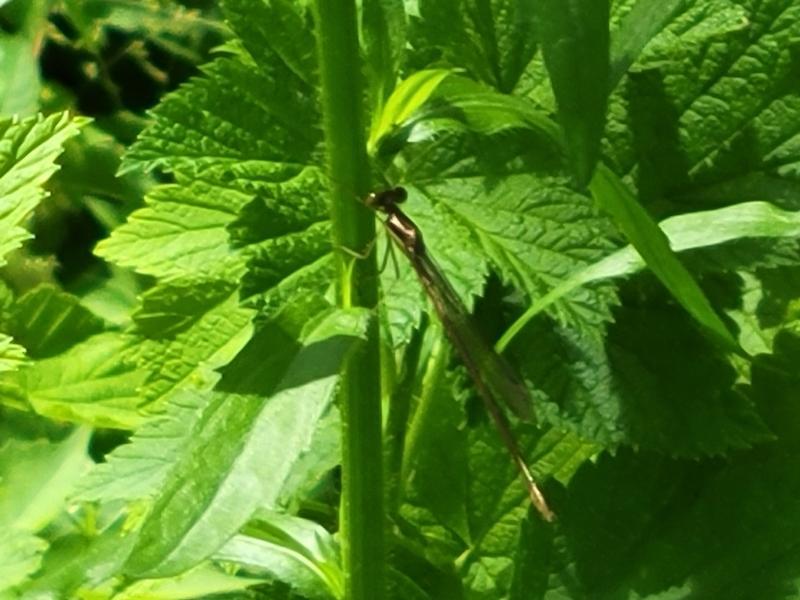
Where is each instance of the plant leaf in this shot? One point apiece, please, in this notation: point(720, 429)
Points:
point(139, 469)
point(408, 97)
point(79, 562)
point(276, 33)
point(638, 27)
point(653, 246)
point(20, 557)
point(494, 40)
point(29, 150)
point(295, 551)
point(36, 478)
point(90, 383)
point(675, 530)
point(692, 151)
point(195, 583)
point(248, 208)
point(244, 446)
point(47, 321)
point(474, 517)
point(575, 46)
point(460, 102)
point(235, 128)
point(534, 229)
point(117, 380)
point(383, 37)
point(187, 358)
point(656, 383)
point(684, 232)
point(181, 233)
point(12, 356)
point(20, 85)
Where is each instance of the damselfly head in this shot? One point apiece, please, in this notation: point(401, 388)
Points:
point(385, 199)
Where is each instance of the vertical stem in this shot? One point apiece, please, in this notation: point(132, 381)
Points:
point(362, 511)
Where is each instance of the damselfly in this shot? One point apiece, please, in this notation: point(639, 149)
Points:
point(494, 378)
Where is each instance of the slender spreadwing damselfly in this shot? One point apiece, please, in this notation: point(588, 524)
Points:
point(495, 380)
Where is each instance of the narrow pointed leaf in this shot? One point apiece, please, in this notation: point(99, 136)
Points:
point(408, 97)
point(575, 45)
point(645, 20)
point(650, 241)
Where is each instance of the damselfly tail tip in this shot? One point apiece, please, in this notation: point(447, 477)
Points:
point(535, 494)
point(538, 501)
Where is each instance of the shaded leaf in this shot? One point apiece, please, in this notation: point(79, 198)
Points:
point(47, 321)
point(575, 46)
point(639, 26)
point(383, 37)
point(656, 383)
point(494, 41)
point(669, 529)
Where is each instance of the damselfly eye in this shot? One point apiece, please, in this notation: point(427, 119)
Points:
point(399, 194)
point(386, 199)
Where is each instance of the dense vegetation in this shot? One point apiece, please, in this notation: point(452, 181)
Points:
point(211, 389)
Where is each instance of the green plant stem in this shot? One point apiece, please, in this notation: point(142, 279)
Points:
point(362, 508)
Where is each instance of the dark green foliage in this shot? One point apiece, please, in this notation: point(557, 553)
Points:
point(560, 157)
